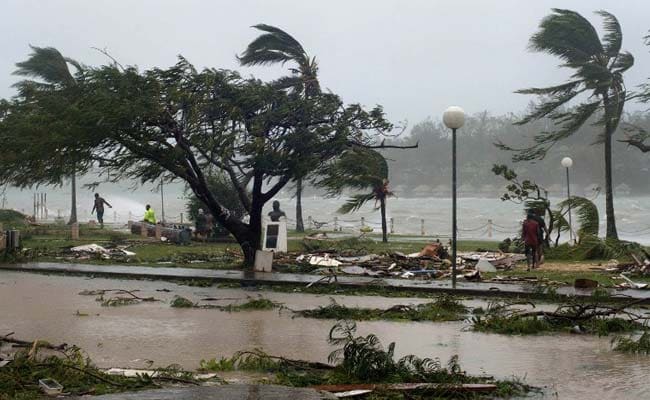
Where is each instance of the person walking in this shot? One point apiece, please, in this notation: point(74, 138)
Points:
point(99, 207)
point(530, 237)
point(149, 215)
point(542, 231)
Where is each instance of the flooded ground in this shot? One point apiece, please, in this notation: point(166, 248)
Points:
point(44, 307)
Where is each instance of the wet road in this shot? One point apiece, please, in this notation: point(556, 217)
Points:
point(44, 307)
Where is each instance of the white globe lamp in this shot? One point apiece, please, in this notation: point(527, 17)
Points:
point(453, 117)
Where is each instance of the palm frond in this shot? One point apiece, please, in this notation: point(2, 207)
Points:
point(587, 214)
point(551, 90)
point(568, 123)
point(568, 35)
point(623, 62)
point(547, 106)
point(46, 64)
point(613, 38)
point(275, 46)
point(355, 202)
point(292, 83)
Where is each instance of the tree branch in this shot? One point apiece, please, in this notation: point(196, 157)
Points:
point(638, 143)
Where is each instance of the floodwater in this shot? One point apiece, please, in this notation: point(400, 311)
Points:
point(38, 306)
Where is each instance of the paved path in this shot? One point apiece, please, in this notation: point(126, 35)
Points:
point(274, 278)
point(226, 392)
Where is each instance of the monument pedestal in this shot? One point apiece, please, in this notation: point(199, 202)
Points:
point(275, 236)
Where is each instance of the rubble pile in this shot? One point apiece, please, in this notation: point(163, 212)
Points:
point(432, 262)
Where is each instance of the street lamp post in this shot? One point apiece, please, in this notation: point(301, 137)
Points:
point(454, 118)
point(567, 163)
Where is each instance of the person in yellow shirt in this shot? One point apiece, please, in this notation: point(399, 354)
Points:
point(149, 215)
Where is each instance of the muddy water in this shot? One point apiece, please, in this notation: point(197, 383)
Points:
point(44, 307)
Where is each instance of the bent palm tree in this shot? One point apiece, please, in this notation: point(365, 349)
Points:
point(49, 66)
point(277, 46)
point(360, 169)
point(598, 72)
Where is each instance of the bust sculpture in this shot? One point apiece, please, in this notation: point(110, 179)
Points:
point(276, 213)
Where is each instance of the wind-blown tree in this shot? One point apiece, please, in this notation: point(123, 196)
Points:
point(51, 71)
point(363, 170)
point(597, 80)
point(185, 123)
point(276, 46)
point(637, 136)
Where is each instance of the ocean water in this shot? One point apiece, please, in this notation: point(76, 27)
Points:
point(411, 216)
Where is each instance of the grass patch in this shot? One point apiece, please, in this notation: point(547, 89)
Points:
point(444, 308)
point(251, 305)
point(181, 302)
point(369, 245)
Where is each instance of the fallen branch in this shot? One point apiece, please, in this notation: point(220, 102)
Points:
point(98, 377)
point(37, 343)
point(294, 363)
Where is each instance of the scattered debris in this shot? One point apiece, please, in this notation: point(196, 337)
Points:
point(361, 365)
point(631, 284)
point(483, 265)
point(31, 373)
point(50, 387)
point(592, 315)
point(88, 251)
point(260, 303)
point(116, 300)
point(444, 308)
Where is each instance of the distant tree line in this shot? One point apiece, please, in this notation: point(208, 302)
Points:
point(430, 165)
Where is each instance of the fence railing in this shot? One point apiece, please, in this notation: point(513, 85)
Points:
point(405, 226)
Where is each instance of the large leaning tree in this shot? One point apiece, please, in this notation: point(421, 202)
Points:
point(35, 126)
point(182, 123)
point(276, 46)
point(597, 82)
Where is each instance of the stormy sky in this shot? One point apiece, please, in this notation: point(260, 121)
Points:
point(413, 57)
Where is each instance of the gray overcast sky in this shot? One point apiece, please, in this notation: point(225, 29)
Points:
point(413, 57)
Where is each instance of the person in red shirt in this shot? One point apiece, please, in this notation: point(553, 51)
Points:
point(530, 236)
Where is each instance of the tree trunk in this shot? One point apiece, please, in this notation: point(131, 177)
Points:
point(248, 236)
point(300, 226)
point(73, 205)
point(384, 231)
point(249, 242)
point(609, 193)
